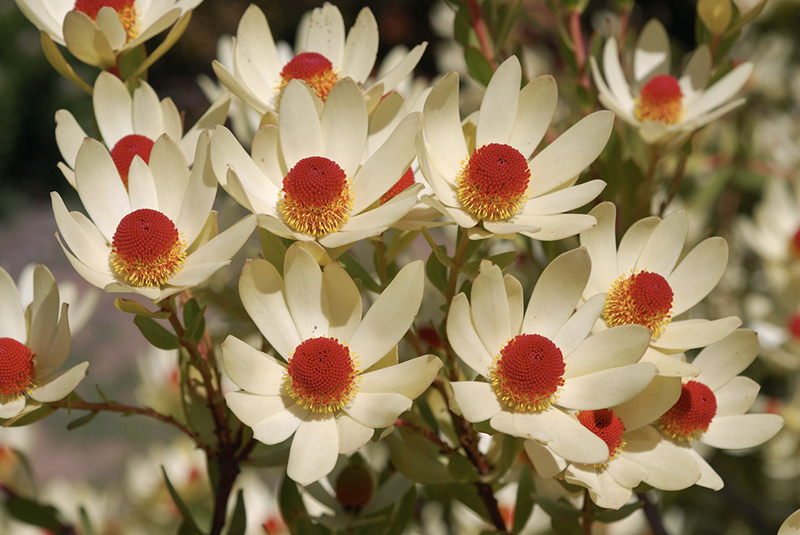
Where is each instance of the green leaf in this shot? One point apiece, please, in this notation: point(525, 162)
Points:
point(462, 25)
point(86, 522)
point(172, 37)
point(746, 18)
point(293, 510)
point(417, 458)
point(403, 512)
point(524, 504)
point(477, 65)
point(399, 241)
point(30, 417)
point(37, 514)
point(273, 249)
point(134, 307)
point(83, 420)
point(130, 62)
point(557, 509)
point(439, 250)
point(501, 260)
point(277, 455)
point(194, 321)
point(239, 518)
point(358, 273)
point(567, 527)
point(156, 334)
point(504, 29)
point(461, 469)
point(188, 522)
point(613, 515)
point(436, 273)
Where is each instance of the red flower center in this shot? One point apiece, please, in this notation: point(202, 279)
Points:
point(124, 151)
point(314, 69)
point(690, 417)
point(322, 375)
point(794, 326)
point(528, 372)
point(606, 425)
point(316, 196)
point(660, 100)
point(17, 371)
point(643, 298)
point(147, 249)
point(493, 181)
point(126, 11)
point(405, 182)
point(795, 244)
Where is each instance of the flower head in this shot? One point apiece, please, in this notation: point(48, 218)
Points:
point(656, 103)
point(158, 237)
point(488, 181)
point(34, 344)
point(541, 363)
point(331, 395)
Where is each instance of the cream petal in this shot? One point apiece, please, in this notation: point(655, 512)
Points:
point(361, 47)
point(215, 115)
point(12, 408)
point(224, 151)
point(652, 53)
point(571, 153)
point(200, 192)
point(261, 289)
point(556, 293)
point(252, 408)
point(219, 249)
point(617, 84)
point(92, 275)
point(719, 93)
point(113, 107)
point(610, 348)
point(708, 476)
point(315, 448)
point(564, 200)
point(377, 410)
point(530, 425)
point(250, 369)
point(300, 130)
point(741, 431)
point(516, 303)
point(608, 493)
point(606, 388)
point(344, 302)
point(99, 187)
point(402, 69)
point(86, 41)
point(304, 293)
point(663, 248)
point(490, 313)
point(710, 117)
point(172, 122)
point(579, 325)
point(736, 396)
point(69, 136)
point(44, 311)
point(724, 360)
point(650, 404)
point(625, 472)
point(571, 440)
point(632, 243)
point(373, 222)
point(12, 316)
point(60, 385)
point(326, 33)
point(389, 318)
point(146, 108)
point(230, 81)
point(545, 462)
point(352, 435)
point(141, 188)
point(696, 73)
point(499, 105)
point(668, 467)
point(410, 378)
point(443, 123)
point(552, 227)
point(601, 243)
point(92, 250)
point(170, 176)
point(476, 399)
point(698, 273)
point(503, 422)
point(791, 526)
point(54, 357)
point(278, 427)
point(464, 339)
point(267, 154)
point(687, 334)
point(344, 123)
point(537, 104)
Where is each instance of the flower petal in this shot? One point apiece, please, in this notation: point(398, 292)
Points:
point(314, 450)
point(476, 399)
point(652, 53)
point(304, 293)
point(12, 317)
point(250, 369)
point(253, 408)
point(545, 462)
point(443, 123)
point(632, 243)
point(601, 244)
point(410, 378)
point(571, 440)
point(377, 410)
point(579, 325)
point(667, 466)
point(741, 431)
point(606, 388)
point(277, 427)
point(325, 34)
point(610, 348)
point(300, 130)
point(60, 385)
point(113, 107)
point(352, 435)
point(736, 396)
point(698, 273)
point(344, 123)
point(361, 47)
point(102, 193)
point(687, 334)
point(344, 302)
point(650, 404)
point(499, 104)
point(490, 313)
point(665, 244)
point(724, 360)
point(537, 104)
point(464, 339)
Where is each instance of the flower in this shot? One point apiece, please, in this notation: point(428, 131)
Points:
point(657, 104)
point(791, 526)
point(712, 406)
point(129, 125)
point(81, 307)
point(156, 239)
point(100, 32)
point(323, 57)
point(541, 364)
point(304, 179)
point(644, 283)
point(486, 180)
point(34, 343)
point(334, 391)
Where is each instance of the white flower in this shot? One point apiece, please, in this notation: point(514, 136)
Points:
point(304, 179)
point(98, 33)
point(331, 396)
point(645, 284)
point(791, 526)
point(658, 105)
point(81, 306)
point(34, 344)
point(323, 56)
point(130, 124)
point(540, 364)
point(156, 239)
point(486, 180)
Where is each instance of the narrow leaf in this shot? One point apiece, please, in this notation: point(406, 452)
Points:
point(134, 307)
point(239, 518)
point(156, 334)
point(188, 521)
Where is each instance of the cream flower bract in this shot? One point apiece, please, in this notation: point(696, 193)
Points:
point(152, 239)
point(99, 32)
point(130, 124)
point(322, 57)
point(539, 364)
point(645, 284)
point(304, 179)
point(660, 106)
point(34, 344)
point(489, 183)
point(329, 396)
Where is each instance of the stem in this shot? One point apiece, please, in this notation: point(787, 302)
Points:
point(587, 513)
point(458, 261)
point(430, 435)
point(676, 181)
point(380, 260)
point(479, 25)
point(127, 409)
point(652, 514)
point(576, 33)
point(646, 194)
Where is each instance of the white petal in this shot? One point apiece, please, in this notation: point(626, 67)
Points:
point(490, 313)
point(649, 405)
point(100, 188)
point(410, 378)
point(464, 339)
point(571, 440)
point(617, 84)
point(113, 107)
point(252, 408)
point(59, 386)
point(12, 317)
point(687, 334)
point(724, 360)
point(737, 396)
point(325, 33)
point(361, 47)
point(668, 466)
point(610, 348)
point(652, 54)
point(476, 399)
point(698, 273)
point(250, 369)
point(632, 243)
point(147, 120)
point(708, 476)
point(722, 91)
point(170, 176)
point(314, 450)
point(12, 408)
point(443, 123)
point(352, 435)
point(344, 302)
point(741, 431)
point(537, 104)
point(304, 294)
point(279, 426)
point(601, 243)
point(499, 105)
point(664, 246)
point(579, 325)
point(606, 388)
point(344, 125)
point(545, 462)
point(300, 131)
point(377, 410)
point(69, 136)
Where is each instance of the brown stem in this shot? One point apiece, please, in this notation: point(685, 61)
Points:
point(587, 513)
point(479, 25)
point(676, 181)
point(430, 435)
point(576, 33)
point(652, 514)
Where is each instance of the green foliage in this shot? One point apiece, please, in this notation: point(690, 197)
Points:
point(38, 514)
point(238, 523)
point(189, 525)
point(156, 334)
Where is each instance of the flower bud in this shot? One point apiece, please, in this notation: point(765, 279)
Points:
point(715, 14)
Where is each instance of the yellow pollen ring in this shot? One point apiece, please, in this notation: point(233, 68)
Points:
point(321, 220)
point(333, 406)
point(513, 400)
point(151, 272)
